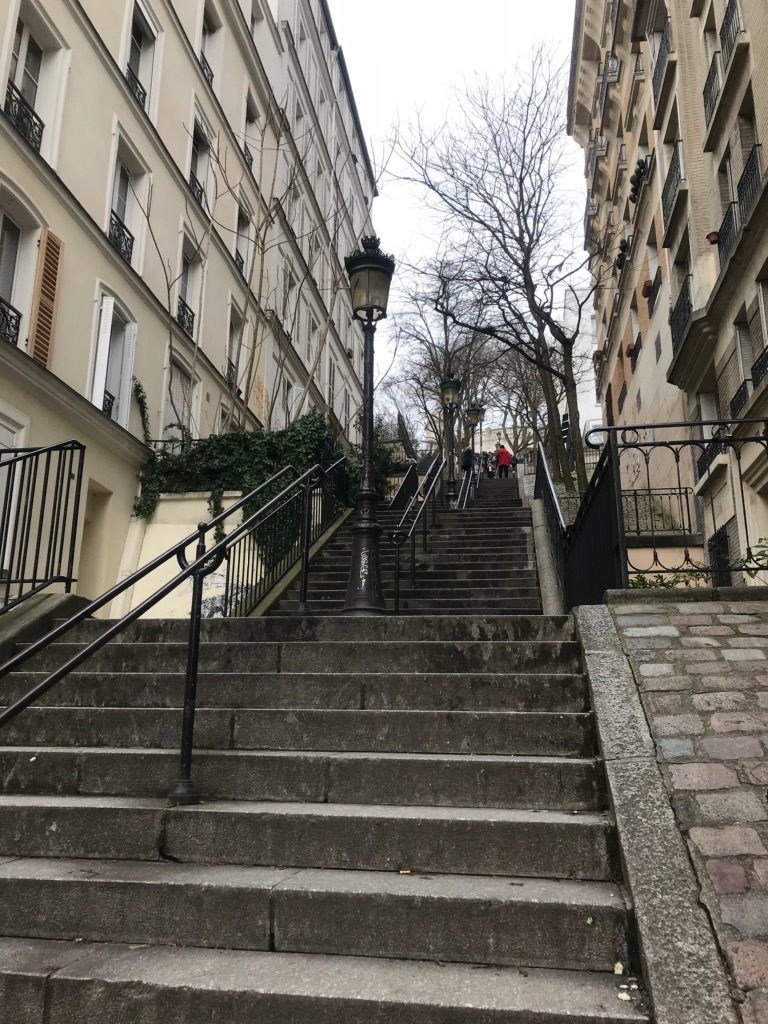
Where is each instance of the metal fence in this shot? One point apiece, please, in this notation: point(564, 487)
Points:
point(40, 490)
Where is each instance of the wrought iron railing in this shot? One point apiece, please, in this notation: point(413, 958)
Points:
point(740, 399)
point(730, 28)
point(40, 490)
point(759, 368)
point(248, 156)
point(196, 188)
point(275, 532)
point(681, 313)
point(240, 262)
point(662, 58)
point(206, 69)
point(414, 515)
point(654, 293)
point(672, 182)
point(726, 235)
point(636, 349)
point(136, 87)
point(120, 237)
point(108, 404)
point(23, 118)
point(10, 322)
point(185, 318)
point(749, 183)
point(231, 375)
point(712, 88)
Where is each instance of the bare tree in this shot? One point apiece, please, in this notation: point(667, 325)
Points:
point(496, 175)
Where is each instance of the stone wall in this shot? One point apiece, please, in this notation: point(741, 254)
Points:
point(700, 660)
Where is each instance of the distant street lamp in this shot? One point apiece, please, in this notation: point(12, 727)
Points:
point(474, 415)
point(449, 393)
point(370, 274)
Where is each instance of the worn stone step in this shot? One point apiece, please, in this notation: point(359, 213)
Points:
point(330, 656)
point(371, 691)
point(435, 780)
point(430, 839)
point(461, 732)
point(427, 588)
point(84, 983)
point(525, 922)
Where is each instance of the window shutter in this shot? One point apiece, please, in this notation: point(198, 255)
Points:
point(297, 403)
point(126, 375)
point(756, 335)
point(45, 298)
point(102, 351)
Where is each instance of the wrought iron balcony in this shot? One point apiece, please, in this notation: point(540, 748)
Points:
point(611, 71)
point(730, 28)
point(672, 183)
point(231, 375)
point(248, 156)
point(740, 399)
point(23, 118)
point(726, 236)
point(206, 68)
point(240, 262)
point(712, 88)
point(185, 318)
point(749, 183)
point(10, 321)
point(136, 87)
point(759, 367)
point(681, 313)
point(197, 189)
point(655, 288)
point(120, 237)
point(662, 56)
point(708, 456)
point(108, 404)
point(622, 397)
point(636, 350)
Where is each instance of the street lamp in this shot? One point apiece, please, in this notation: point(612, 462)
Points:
point(474, 415)
point(370, 273)
point(449, 393)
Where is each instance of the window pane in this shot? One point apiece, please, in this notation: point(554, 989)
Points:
point(10, 236)
point(137, 43)
point(31, 76)
point(16, 49)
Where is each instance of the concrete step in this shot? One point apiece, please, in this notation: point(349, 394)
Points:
point(435, 780)
point(83, 983)
point(459, 732)
point(578, 925)
point(371, 691)
point(416, 607)
point(330, 656)
point(435, 840)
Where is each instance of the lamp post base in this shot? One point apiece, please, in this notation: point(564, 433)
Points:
point(364, 590)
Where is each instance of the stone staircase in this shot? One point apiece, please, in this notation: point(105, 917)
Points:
point(403, 822)
point(481, 558)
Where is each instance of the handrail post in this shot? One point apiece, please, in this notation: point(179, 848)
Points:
point(423, 533)
point(306, 528)
point(397, 578)
point(413, 559)
point(184, 792)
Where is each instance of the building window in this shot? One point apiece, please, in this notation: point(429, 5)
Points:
point(251, 139)
point(113, 365)
point(141, 55)
point(210, 43)
point(189, 289)
point(179, 401)
point(234, 350)
point(199, 163)
point(125, 215)
point(21, 101)
point(243, 240)
point(10, 243)
point(332, 369)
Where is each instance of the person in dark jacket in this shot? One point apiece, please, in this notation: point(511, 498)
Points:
point(503, 461)
point(466, 460)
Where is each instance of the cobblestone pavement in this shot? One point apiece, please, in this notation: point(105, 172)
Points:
point(702, 670)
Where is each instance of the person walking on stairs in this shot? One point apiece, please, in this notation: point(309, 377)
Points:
point(503, 461)
point(466, 460)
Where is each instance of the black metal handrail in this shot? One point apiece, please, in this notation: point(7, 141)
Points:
point(662, 57)
point(414, 514)
point(135, 86)
point(40, 490)
point(544, 490)
point(23, 118)
point(749, 183)
point(681, 313)
point(205, 562)
point(712, 88)
point(120, 237)
point(10, 321)
point(672, 182)
point(726, 235)
point(730, 28)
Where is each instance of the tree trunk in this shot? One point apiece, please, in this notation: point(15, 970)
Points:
point(572, 398)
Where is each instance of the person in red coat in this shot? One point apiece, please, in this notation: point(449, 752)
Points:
point(503, 461)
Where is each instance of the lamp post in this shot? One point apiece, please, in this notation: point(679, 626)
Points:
point(370, 273)
point(449, 393)
point(474, 416)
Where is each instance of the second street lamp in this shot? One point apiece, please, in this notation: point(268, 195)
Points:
point(449, 394)
point(474, 415)
point(370, 273)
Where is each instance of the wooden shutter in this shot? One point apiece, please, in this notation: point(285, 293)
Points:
point(101, 361)
point(45, 297)
point(126, 375)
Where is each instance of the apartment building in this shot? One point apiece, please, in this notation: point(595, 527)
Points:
point(670, 102)
point(180, 181)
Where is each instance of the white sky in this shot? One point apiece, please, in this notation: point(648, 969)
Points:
point(406, 55)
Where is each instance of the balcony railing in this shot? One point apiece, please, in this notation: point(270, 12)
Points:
point(120, 237)
point(197, 189)
point(712, 88)
point(108, 404)
point(206, 68)
point(681, 314)
point(231, 375)
point(749, 183)
point(759, 367)
point(662, 56)
point(655, 288)
point(726, 236)
point(611, 70)
point(135, 86)
point(240, 262)
point(672, 183)
point(636, 350)
point(740, 399)
point(23, 118)
point(185, 318)
point(248, 156)
point(10, 321)
point(730, 28)
point(622, 397)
